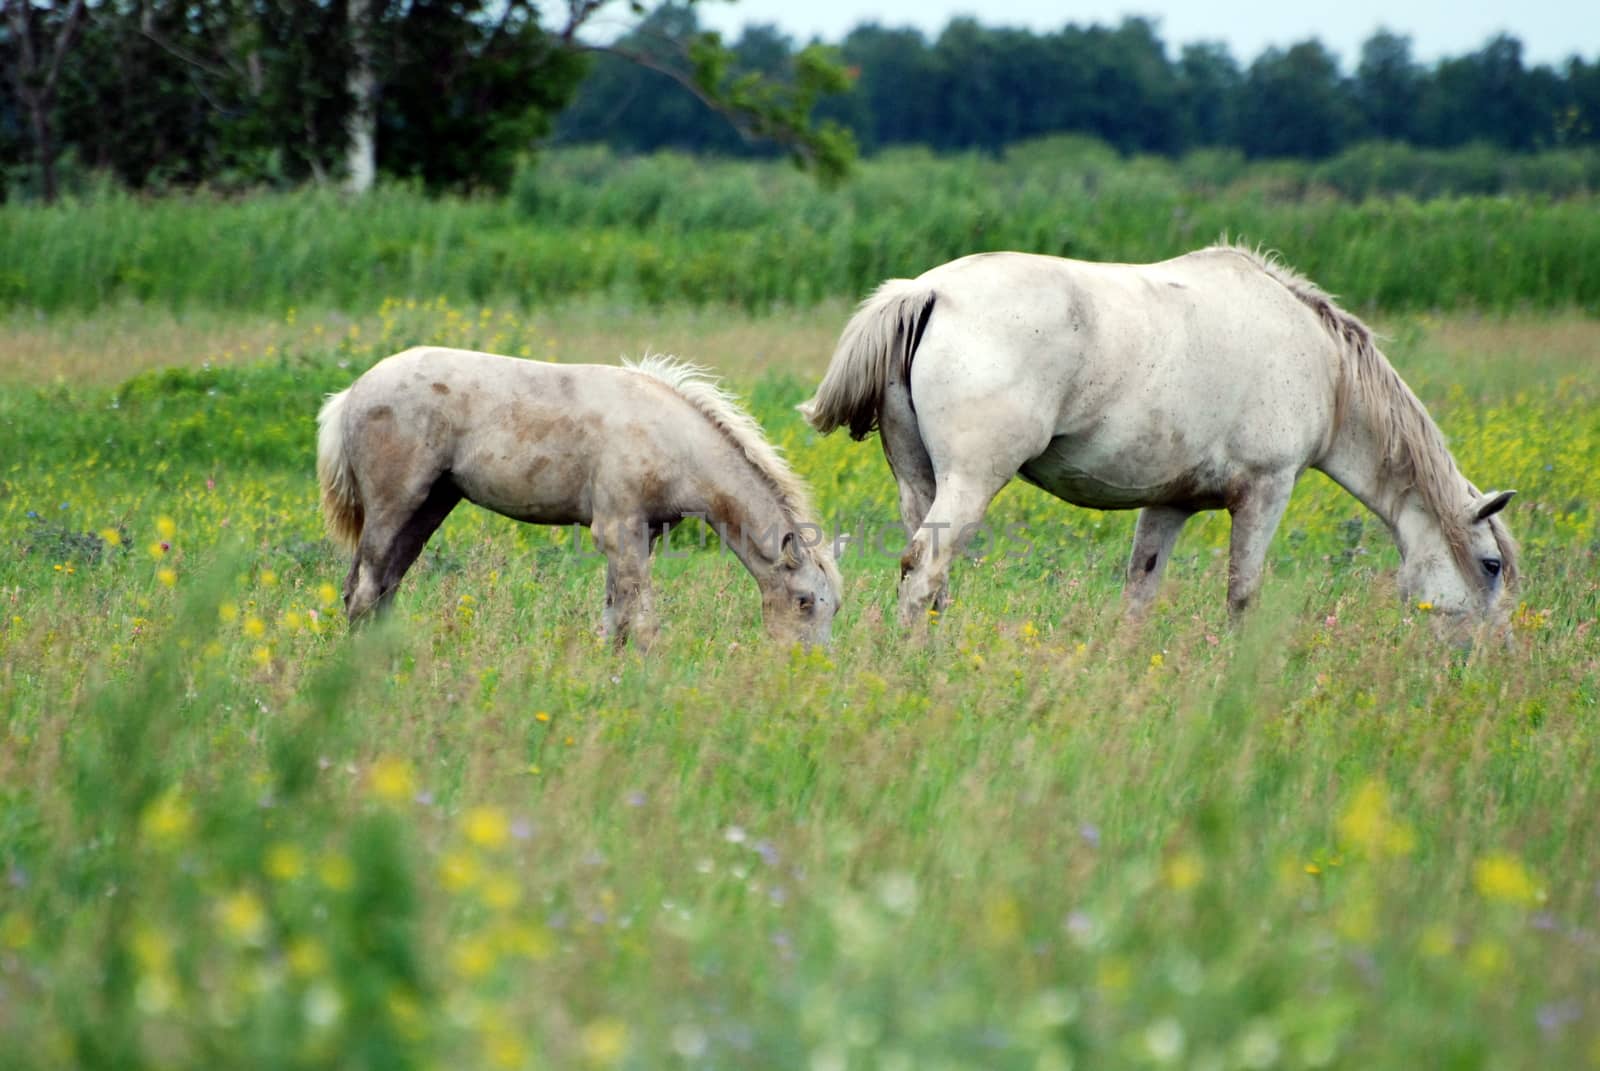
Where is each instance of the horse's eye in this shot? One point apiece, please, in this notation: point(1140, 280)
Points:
point(806, 603)
point(1491, 566)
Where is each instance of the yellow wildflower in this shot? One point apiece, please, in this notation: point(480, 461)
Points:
point(112, 537)
point(168, 577)
point(473, 958)
point(1487, 959)
point(306, 957)
point(284, 861)
point(391, 779)
point(335, 872)
point(165, 528)
point(1183, 871)
point(1503, 879)
point(487, 827)
point(327, 593)
point(1368, 826)
point(243, 917)
point(605, 1041)
point(458, 871)
point(167, 817)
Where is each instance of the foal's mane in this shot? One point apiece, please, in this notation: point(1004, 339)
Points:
point(1413, 450)
point(696, 386)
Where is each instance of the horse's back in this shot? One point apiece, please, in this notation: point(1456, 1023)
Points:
point(523, 438)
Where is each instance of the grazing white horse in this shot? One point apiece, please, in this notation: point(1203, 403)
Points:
point(627, 451)
point(1209, 381)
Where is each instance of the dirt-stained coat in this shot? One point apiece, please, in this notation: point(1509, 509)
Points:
point(626, 451)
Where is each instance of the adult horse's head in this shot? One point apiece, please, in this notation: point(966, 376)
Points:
point(1462, 568)
point(801, 592)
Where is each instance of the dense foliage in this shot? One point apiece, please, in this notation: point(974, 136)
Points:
point(239, 93)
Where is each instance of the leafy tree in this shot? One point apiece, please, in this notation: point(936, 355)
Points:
point(894, 101)
point(1388, 85)
point(1295, 103)
point(1209, 82)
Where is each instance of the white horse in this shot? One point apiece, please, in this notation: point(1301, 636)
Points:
point(1209, 381)
point(627, 451)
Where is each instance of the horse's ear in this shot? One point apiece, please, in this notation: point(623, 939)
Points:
point(1489, 504)
point(789, 551)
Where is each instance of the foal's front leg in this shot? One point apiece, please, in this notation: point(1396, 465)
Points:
point(630, 602)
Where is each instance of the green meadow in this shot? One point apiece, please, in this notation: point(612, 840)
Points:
point(234, 835)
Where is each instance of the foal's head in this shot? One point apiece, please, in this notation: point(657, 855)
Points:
point(800, 593)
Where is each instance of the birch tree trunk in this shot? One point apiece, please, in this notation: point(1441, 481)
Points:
point(361, 161)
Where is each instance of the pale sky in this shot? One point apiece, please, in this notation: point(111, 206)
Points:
point(1550, 30)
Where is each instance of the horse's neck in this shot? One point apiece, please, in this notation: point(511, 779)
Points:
point(1355, 462)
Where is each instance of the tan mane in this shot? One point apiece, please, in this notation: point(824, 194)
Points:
point(696, 386)
point(1413, 448)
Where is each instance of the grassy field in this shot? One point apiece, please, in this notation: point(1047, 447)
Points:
point(232, 835)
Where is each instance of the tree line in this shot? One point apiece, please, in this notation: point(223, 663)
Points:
point(453, 93)
point(979, 87)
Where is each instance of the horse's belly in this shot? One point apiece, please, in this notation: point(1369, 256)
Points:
point(538, 489)
point(1121, 483)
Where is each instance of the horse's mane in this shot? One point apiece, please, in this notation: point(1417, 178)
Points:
point(1413, 448)
point(696, 386)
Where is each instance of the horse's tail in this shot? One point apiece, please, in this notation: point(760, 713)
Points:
point(879, 342)
point(341, 502)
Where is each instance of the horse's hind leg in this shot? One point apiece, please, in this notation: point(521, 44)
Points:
point(909, 461)
point(907, 456)
point(975, 448)
point(1153, 540)
point(391, 539)
point(952, 520)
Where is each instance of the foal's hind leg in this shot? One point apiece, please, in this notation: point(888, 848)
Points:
point(1153, 540)
point(391, 539)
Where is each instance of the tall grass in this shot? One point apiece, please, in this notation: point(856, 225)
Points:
point(230, 835)
point(667, 229)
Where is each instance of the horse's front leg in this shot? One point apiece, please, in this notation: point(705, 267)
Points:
point(1153, 540)
point(1256, 514)
point(630, 602)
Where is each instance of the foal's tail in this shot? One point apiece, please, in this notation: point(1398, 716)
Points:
point(341, 502)
point(878, 343)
